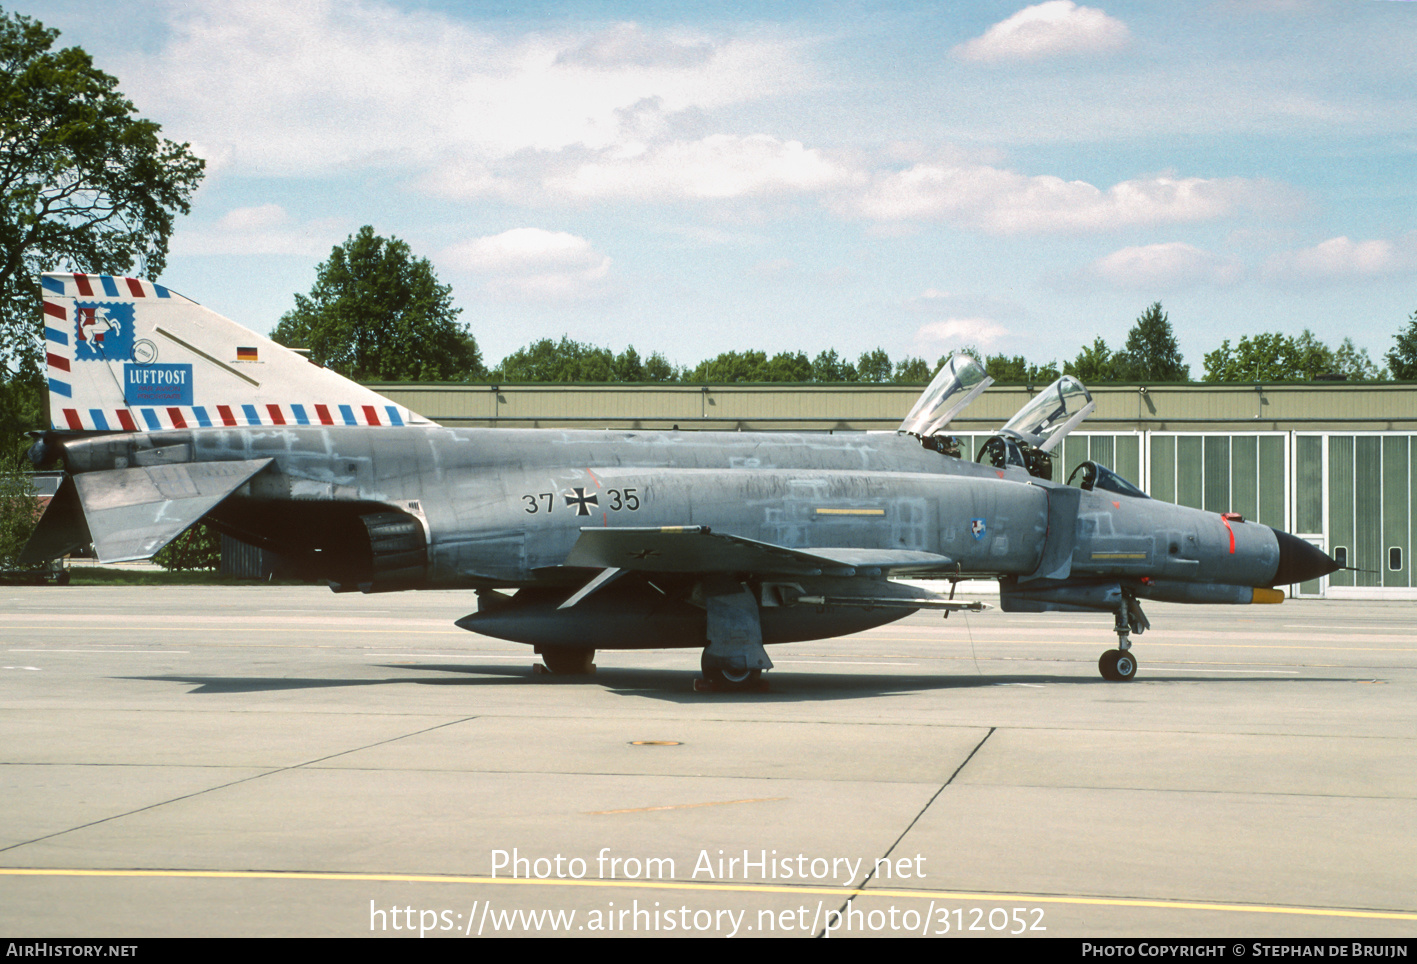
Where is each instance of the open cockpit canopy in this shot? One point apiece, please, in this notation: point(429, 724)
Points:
point(958, 382)
point(1051, 414)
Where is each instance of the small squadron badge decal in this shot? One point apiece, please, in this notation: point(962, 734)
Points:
point(977, 526)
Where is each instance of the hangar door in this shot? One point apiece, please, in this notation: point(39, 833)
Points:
point(1222, 473)
point(1362, 486)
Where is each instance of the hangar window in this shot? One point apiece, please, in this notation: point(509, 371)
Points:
point(1394, 558)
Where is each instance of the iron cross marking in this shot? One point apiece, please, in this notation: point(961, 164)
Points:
point(581, 501)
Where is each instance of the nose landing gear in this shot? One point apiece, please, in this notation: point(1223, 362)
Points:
point(1119, 665)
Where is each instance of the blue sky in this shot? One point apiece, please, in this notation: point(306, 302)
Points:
point(692, 178)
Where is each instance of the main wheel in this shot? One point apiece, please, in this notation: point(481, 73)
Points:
point(575, 661)
point(1117, 666)
point(730, 679)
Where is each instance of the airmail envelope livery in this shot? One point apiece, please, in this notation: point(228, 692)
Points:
point(165, 413)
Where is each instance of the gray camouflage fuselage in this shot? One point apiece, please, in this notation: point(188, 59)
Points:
point(504, 507)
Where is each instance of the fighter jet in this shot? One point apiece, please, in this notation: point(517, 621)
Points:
point(165, 413)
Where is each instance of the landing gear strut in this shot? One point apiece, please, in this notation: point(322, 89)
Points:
point(1120, 665)
point(734, 658)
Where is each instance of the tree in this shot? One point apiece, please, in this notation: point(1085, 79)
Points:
point(1018, 370)
point(1094, 364)
point(827, 367)
point(730, 366)
point(377, 313)
point(574, 361)
point(753, 366)
point(1402, 358)
point(198, 549)
point(1354, 363)
point(563, 361)
point(21, 407)
point(911, 371)
point(658, 369)
point(19, 510)
point(1268, 357)
point(1151, 353)
point(1276, 357)
point(874, 367)
point(85, 184)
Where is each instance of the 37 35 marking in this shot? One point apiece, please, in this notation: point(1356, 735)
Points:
point(619, 499)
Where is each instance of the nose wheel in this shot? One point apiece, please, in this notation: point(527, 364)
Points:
point(1117, 666)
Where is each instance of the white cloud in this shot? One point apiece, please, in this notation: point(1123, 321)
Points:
point(264, 229)
point(935, 337)
point(719, 166)
point(627, 44)
point(532, 263)
point(319, 85)
point(1006, 202)
point(1169, 265)
point(1052, 29)
point(1339, 259)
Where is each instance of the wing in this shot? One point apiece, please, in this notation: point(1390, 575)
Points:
point(698, 549)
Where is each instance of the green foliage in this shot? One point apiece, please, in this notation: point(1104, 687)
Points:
point(1277, 357)
point(84, 183)
point(1402, 358)
point(912, 371)
point(199, 548)
point(573, 361)
point(377, 313)
point(21, 408)
point(874, 367)
point(1151, 353)
point(827, 367)
point(19, 510)
point(1354, 364)
point(753, 366)
point(1093, 365)
point(1018, 370)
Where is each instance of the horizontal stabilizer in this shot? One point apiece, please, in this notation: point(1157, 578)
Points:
point(132, 513)
point(61, 529)
point(696, 549)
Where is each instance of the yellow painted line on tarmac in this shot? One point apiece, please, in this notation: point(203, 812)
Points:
point(1142, 645)
point(734, 888)
point(684, 806)
point(287, 630)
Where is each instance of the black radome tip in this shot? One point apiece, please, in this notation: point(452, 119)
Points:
point(1300, 561)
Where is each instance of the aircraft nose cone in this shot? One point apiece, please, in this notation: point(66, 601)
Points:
point(1300, 561)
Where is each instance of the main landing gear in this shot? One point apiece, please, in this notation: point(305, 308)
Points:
point(1120, 665)
point(734, 658)
point(728, 679)
point(565, 661)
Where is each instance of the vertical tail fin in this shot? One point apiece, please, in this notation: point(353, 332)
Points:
point(134, 356)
